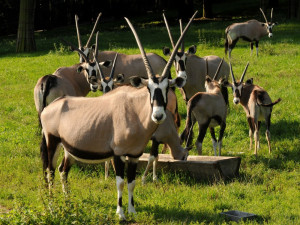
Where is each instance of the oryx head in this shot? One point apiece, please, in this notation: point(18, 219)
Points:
point(237, 86)
point(87, 48)
point(181, 55)
point(268, 25)
point(107, 83)
point(212, 83)
point(158, 86)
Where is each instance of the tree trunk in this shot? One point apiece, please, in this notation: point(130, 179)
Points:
point(25, 39)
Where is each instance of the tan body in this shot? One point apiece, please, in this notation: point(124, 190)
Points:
point(210, 110)
point(196, 73)
point(132, 65)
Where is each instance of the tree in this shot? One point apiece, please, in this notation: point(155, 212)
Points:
point(25, 38)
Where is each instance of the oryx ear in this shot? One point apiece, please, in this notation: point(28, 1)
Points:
point(275, 24)
point(249, 81)
point(106, 63)
point(225, 83)
point(178, 82)
point(192, 50)
point(119, 79)
point(136, 81)
point(79, 69)
point(166, 51)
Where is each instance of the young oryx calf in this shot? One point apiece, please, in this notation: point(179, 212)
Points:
point(118, 124)
point(192, 68)
point(251, 31)
point(210, 110)
point(256, 103)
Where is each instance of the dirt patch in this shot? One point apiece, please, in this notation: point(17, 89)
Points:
point(3, 209)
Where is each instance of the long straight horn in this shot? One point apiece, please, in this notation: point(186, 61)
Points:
point(172, 57)
point(264, 15)
point(231, 73)
point(271, 15)
point(99, 68)
point(168, 29)
point(243, 75)
point(182, 43)
point(218, 70)
point(96, 47)
point(145, 59)
point(93, 31)
point(78, 34)
point(113, 67)
point(206, 67)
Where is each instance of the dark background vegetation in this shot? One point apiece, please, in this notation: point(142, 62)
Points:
point(55, 13)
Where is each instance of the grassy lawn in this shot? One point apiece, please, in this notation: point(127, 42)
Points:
point(267, 186)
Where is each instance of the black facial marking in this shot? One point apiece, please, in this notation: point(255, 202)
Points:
point(158, 97)
point(181, 65)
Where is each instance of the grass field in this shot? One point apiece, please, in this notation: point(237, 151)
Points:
point(267, 186)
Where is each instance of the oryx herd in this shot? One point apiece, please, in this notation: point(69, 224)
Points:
point(140, 104)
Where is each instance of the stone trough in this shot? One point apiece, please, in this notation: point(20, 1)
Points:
point(199, 167)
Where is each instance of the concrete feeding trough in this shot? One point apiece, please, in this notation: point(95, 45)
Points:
point(237, 216)
point(199, 167)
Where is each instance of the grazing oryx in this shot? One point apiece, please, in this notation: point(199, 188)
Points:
point(118, 124)
point(257, 105)
point(210, 110)
point(76, 80)
point(85, 49)
point(251, 31)
point(192, 67)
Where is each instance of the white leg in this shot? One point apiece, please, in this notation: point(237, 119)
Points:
point(106, 169)
point(63, 179)
point(268, 136)
point(220, 146)
point(215, 143)
point(154, 169)
point(120, 187)
point(131, 187)
point(150, 161)
point(199, 147)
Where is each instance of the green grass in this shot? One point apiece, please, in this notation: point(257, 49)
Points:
point(267, 186)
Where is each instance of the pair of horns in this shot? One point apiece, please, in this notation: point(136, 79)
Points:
point(169, 31)
point(92, 33)
point(265, 15)
point(218, 69)
point(98, 65)
point(243, 75)
point(172, 57)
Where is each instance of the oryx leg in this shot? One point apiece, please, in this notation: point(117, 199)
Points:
point(256, 45)
point(222, 129)
point(188, 135)
point(152, 159)
point(64, 169)
point(256, 138)
point(231, 46)
point(202, 132)
point(214, 140)
point(106, 168)
point(131, 173)
point(251, 47)
point(251, 130)
point(268, 134)
point(119, 162)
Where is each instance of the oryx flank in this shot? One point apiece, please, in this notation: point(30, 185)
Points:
point(192, 67)
point(251, 31)
point(257, 105)
point(210, 110)
point(118, 124)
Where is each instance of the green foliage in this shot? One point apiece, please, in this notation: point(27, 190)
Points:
point(267, 186)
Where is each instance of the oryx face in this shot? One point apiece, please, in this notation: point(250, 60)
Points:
point(86, 51)
point(158, 97)
point(269, 27)
point(237, 92)
point(180, 64)
point(106, 85)
point(90, 72)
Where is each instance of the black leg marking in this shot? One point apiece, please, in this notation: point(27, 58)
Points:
point(202, 131)
point(212, 133)
point(119, 165)
point(131, 171)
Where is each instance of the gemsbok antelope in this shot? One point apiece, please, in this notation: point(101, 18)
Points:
point(118, 124)
point(257, 105)
point(192, 67)
point(251, 31)
point(210, 110)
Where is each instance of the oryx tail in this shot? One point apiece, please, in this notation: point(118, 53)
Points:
point(271, 104)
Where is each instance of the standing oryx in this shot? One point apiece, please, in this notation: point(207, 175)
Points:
point(210, 110)
point(118, 124)
point(251, 31)
point(257, 105)
point(76, 80)
point(192, 68)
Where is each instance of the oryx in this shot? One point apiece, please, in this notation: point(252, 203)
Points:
point(257, 105)
point(210, 110)
point(118, 124)
point(251, 31)
point(192, 67)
